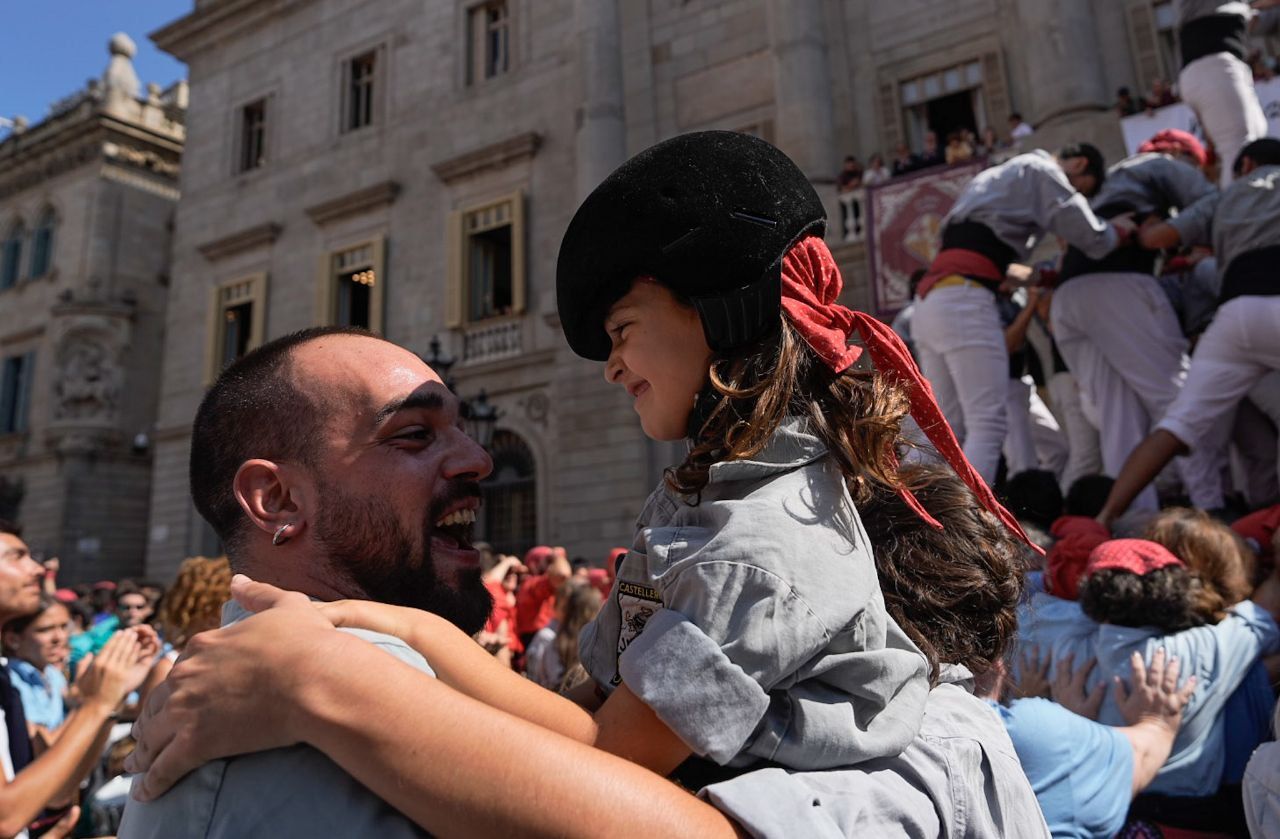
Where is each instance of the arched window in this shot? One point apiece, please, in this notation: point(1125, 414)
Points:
point(509, 515)
point(11, 256)
point(42, 245)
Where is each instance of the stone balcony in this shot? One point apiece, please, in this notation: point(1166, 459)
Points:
point(486, 342)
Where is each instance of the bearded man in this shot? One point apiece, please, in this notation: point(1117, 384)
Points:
point(330, 462)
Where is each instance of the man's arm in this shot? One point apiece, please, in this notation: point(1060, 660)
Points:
point(116, 671)
point(1140, 469)
point(419, 745)
point(1066, 213)
point(1015, 334)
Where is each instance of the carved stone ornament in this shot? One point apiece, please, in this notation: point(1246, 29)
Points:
point(88, 383)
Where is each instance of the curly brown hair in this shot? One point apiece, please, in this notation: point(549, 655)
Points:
point(195, 599)
point(954, 591)
point(857, 413)
point(1212, 551)
point(1166, 598)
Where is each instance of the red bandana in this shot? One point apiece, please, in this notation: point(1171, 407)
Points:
point(1067, 559)
point(811, 284)
point(1138, 556)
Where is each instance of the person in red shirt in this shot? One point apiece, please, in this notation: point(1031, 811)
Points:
point(499, 634)
point(535, 601)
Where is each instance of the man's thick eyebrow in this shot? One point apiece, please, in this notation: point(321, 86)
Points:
point(417, 399)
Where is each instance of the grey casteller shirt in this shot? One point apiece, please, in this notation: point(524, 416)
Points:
point(1152, 183)
point(1237, 220)
point(1028, 196)
point(753, 625)
point(296, 791)
point(959, 778)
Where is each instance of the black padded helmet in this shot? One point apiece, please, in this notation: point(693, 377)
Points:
point(709, 215)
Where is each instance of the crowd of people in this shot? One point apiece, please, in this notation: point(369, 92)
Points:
point(91, 652)
point(876, 597)
point(962, 146)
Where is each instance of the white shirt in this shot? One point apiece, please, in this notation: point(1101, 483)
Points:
point(1021, 130)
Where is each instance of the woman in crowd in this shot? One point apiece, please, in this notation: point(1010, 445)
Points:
point(193, 605)
point(748, 628)
point(552, 659)
point(37, 649)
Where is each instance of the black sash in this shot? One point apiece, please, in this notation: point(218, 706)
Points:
point(1253, 273)
point(1126, 259)
point(977, 237)
point(15, 722)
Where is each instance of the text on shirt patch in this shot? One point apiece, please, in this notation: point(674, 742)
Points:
point(637, 603)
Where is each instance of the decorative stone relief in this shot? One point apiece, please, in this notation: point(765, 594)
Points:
point(89, 342)
point(89, 381)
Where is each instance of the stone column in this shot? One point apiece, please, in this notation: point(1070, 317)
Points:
point(1063, 59)
point(804, 128)
point(602, 130)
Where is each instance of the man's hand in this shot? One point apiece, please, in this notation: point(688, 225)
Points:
point(1125, 227)
point(235, 690)
point(1033, 676)
point(1155, 696)
point(1068, 688)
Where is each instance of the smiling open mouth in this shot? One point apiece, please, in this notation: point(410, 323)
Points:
point(455, 530)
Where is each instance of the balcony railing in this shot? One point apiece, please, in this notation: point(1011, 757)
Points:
point(491, 342)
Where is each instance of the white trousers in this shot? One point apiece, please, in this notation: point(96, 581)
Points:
point(1234, 354)
point(1084, 448)
point(960, 342)
point(1219, 88)
point(1255, 449)
point(1120, 336)
point(1035, 440)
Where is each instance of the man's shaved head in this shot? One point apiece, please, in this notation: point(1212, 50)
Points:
point(255, 410)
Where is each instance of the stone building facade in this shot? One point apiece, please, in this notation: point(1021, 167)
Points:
point(411, 166)
point(87, 197)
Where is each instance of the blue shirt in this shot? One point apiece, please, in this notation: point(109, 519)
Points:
point(1081, 772)
point(41, 692)
point(1219, 656)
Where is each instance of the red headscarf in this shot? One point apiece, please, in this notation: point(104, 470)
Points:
point(1137, 555)
point(1173, 141)
point(811, 284)
point(1069, 556)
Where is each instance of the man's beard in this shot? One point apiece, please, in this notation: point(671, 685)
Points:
point(367, 546)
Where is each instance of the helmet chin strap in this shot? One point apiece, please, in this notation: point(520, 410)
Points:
point(703, 405)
